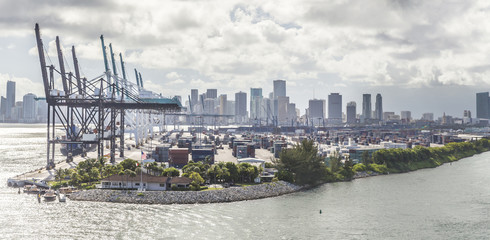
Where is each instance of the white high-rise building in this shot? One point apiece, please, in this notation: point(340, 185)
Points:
point(30, 108)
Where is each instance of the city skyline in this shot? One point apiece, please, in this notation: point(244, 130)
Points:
point(408, 55)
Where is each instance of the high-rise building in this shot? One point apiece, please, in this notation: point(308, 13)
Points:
point(194, 97)
point(222, 104)
point(209, 106)
point(212, 93)
point(292, 116)
point(366, 107)
point(3, 106)
point(351, 112)
point(10, 99)
point(467, 113)
point(316, 108)
point(428, 116)
point(30, 108)
point(482, 105)
point(335, 108)
point(255, 103)
point(240, 106)
point(378, 107)
point(282, 109)
point(279, 88)
point(406, 116)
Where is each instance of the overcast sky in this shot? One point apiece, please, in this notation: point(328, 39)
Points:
point(422, 56)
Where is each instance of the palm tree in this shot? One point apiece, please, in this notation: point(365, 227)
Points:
point(59, 174)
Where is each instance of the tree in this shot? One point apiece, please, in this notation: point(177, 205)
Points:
point(129, 164)
point(303, 162)
point(60, 174)
point(197, 180)
point(365, 158)
point(334, 161)
point(93, 174)
point(171, 172)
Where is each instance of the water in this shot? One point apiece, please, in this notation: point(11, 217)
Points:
point(448, 202)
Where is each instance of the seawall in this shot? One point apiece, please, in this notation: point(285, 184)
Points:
point(231, 194)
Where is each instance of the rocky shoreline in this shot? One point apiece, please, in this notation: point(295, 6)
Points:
point(231, 194)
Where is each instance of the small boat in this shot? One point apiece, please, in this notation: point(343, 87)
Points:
point(33, 189)
point(68, 190)
point(49, 196)
point(61, 197)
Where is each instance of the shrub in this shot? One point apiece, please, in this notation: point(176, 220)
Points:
point(359, 167)
point(140, 194)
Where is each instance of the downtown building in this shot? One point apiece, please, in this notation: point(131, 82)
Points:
point(335, 108)
point(351, 112)
point(240, 107)
point(366, 108)
point(483, 105)
point(256, 101)
point(316, 110)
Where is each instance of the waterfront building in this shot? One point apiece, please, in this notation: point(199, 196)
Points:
point(316, 108)
point(30, 108)
point(482, 105)
point(378, 107)
point(240, 107)
point(366, 107)
point(212, 93)
point(10, 99)
point(351, 112)
point(335, 108)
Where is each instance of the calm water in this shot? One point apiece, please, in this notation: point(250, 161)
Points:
point(448, 202)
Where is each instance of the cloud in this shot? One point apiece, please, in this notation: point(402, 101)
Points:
point(233, 45)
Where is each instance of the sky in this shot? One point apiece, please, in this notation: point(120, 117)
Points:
point(421, 56)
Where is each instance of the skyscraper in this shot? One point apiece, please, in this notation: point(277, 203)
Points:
point(279, 88)
point(379, 107)
point(282, 109)
point(29, 107)
point(240, 106)
point(482, 105)
point(10, 99)
point(366, 107)
point(222, 104)
point(335, 108)
point(351, 112)
point(316, 108)
point(406, 116)
point(212, 93)
point(255, 102)
point(194, 97)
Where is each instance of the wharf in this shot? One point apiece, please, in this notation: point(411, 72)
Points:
point(42, 174)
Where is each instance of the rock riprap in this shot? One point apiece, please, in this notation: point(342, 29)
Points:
point(231, 194)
